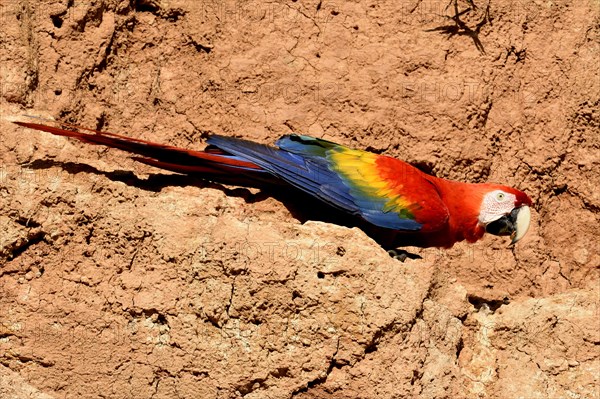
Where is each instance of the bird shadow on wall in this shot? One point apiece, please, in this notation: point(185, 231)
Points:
point(301, 206)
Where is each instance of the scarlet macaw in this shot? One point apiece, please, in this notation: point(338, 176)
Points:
point(392, 196)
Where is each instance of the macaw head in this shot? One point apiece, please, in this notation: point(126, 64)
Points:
point(505, 212)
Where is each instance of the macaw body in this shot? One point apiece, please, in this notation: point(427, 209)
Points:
point(403, 204)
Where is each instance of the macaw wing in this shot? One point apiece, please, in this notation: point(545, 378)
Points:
point(382, 190)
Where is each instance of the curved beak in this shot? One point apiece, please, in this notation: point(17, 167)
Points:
point(515, 224)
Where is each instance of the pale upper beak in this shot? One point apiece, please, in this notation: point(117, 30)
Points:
point(514, 224)
point(522, 222)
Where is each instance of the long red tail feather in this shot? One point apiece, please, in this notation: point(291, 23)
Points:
point(211, 163)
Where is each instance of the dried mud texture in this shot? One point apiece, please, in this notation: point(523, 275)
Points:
point(119, 280)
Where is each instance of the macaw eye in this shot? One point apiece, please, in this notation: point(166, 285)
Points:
point(500, 197)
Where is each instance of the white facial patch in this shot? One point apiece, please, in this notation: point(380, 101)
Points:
point(496, 204)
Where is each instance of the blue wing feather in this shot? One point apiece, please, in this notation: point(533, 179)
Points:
point(302, 161)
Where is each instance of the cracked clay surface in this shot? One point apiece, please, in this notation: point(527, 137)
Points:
point(118, 280)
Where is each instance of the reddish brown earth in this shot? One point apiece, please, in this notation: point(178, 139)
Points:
point(118, 280)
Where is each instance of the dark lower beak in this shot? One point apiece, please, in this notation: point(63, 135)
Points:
point(515, 224)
